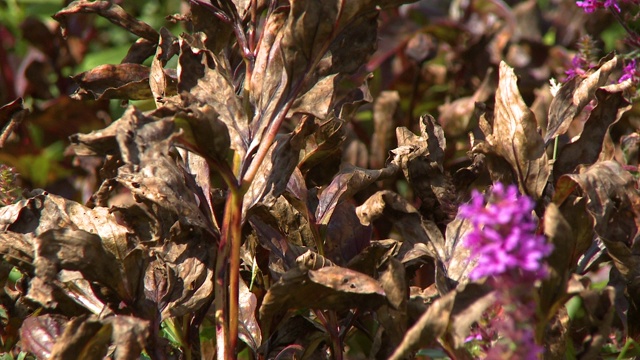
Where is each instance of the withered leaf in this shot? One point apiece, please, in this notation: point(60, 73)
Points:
point(330, 287)
point(152, 175)
point(122, 81)
point(274, 172)
point(7, 111)
point(348, 182)
point(17, 249)
point(249, 329)
point(130, 336)
point(560, 234)
point(159, 82)
point(586, 149)
point(89, 337)
point(614, 205)
point(385, 109)
point(83, 338)
point(428, 328)
point(77, 250)
point(208, 78)
point(141, 50)
point(574, 95)
point(111, 12)
point(422, 161)
point(192, 261)
point(345, 235)
point(515, 136)
point(44, 211)
point(406, 219)
point(458, 262)
point(322, 155)
point(38, 334)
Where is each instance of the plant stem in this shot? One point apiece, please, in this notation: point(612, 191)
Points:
point(235, 233)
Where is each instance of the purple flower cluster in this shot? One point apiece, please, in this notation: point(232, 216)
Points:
point(579, 67)
point(503, 238)
point(511, 255)
point(630, 72)
point(590, 6)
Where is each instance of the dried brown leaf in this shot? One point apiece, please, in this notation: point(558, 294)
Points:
point(574, 95)
point(89, 338)
point(111, 12)
point(431, 326)
point(614, 205)
point(422, 159)
point(412, 227)
point(83, 338)
point(249, 329)
point(457, 261)
point(559, 233)
point(159, 82)
point(122, 81)
point(274, 172)
point(330, 287)
point(385, 115)
point(515, 136)
point(347, 183)
point(586, 150)
point(208, 78)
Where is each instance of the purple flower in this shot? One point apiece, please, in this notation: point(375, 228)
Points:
point(590, 6)
point(503, 238)
point(579, 66)
point(630, 71)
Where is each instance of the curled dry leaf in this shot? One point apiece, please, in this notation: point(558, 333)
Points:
point(587, 149)
point(347, 183)
point(515, 137)
point(332, 287)
point(122, 81)
point(111, 12)
point(612, 194)
point(414, 229)
point(574, 95)
point(421, 159)
point(208, 79)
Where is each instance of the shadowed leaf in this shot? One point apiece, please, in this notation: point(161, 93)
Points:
point(330, 287)
point(348, 182)
point(614, 205)
point(587, 148)
point(421, 159)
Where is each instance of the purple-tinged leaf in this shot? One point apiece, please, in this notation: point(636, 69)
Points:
point(38, 334)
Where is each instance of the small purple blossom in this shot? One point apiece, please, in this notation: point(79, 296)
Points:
point(579, 67)
point(630, 72)
point(503, 238)
point(590, 6)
